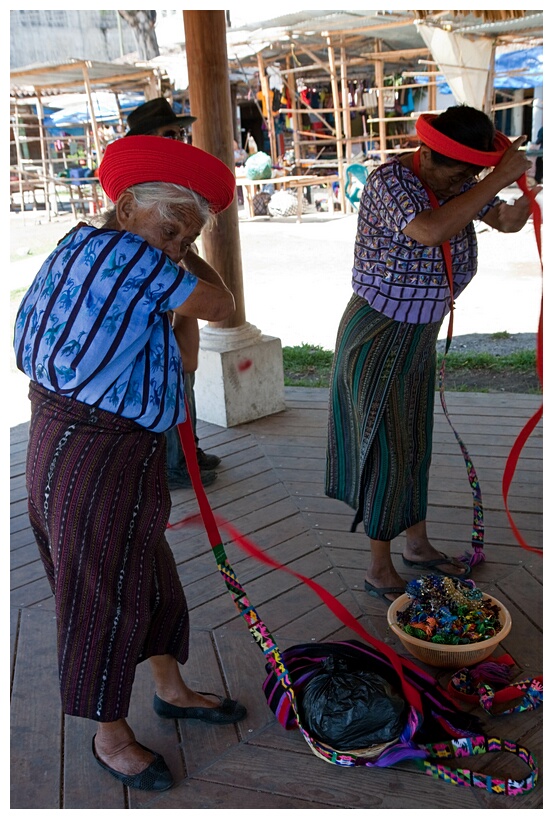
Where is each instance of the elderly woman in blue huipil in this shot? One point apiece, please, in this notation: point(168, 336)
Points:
point(106, 365)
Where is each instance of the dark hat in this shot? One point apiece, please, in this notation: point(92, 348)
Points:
point(155, 114)
point(139, 159)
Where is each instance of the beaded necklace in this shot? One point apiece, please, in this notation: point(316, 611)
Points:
point(449, 611)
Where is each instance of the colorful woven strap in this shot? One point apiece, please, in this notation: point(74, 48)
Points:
point(475, 746)
point(478, 685)
point(259, 630)
point(266, 641)
point(477, 538)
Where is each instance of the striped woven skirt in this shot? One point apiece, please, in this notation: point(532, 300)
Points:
point(99, 506)
point(381, 412)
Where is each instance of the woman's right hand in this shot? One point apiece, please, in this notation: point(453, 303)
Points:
point(513, 164)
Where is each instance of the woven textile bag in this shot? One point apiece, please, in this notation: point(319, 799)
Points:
point(441, 731)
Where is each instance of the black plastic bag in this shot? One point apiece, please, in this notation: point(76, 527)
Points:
point(349, 708)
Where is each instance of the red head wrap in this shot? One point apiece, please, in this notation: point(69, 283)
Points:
point(443, 144)
point(137, 159)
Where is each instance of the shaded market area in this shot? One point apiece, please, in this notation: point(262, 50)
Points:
point(325, 93)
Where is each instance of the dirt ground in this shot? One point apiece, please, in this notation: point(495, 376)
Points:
point(468, 380)
point(482, 380)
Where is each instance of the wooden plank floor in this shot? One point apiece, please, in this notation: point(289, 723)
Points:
point(270, 486)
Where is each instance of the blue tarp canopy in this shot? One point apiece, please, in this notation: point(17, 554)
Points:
point(513, 69)
point(519, 69)
point(105, 110)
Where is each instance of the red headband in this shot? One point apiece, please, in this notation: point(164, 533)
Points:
point(135, 159)
point(454, 150)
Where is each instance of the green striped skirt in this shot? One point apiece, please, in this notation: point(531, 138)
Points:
point(380, 423)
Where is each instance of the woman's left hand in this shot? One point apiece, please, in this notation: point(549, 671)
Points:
point(510, 218)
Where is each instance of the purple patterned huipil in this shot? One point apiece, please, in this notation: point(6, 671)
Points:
point(398, 276)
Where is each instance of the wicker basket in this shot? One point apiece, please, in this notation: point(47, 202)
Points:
point(446, 656)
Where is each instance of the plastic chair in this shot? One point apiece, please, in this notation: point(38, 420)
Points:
point(356, 176)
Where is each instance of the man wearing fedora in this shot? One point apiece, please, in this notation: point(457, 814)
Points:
point(157, 118)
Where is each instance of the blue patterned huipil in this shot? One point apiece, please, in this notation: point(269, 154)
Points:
point(93, 326)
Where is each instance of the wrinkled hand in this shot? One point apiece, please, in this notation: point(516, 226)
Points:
point(514, 217)
point(513, 164)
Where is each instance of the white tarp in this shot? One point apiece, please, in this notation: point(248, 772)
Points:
point(464, 63)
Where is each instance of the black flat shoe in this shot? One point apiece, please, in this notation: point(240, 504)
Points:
point(228, 711)
point(156, 777)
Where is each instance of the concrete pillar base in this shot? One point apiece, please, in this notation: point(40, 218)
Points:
point(240, 375)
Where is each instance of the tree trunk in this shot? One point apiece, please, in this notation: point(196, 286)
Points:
point(143, 26)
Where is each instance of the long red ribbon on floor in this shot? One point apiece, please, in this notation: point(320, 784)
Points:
point(211, 525)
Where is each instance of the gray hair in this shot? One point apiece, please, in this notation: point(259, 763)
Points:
point(164, 197)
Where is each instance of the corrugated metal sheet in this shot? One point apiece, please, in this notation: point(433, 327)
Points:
point(53, 78)
point(358, 31)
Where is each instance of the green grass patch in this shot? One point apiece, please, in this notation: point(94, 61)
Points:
point(308, 365)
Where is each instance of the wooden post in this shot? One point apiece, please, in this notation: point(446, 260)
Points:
point(210, 102)
point(432, 96)
point(338, 122)
point(15, 129)
point(379, 82)
point(45, 173)
point(293, 89)
point(264, 80)
point(490, 91)
point(97, 145)
point(345, 104)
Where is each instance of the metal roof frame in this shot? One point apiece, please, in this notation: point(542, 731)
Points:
point(78, 75)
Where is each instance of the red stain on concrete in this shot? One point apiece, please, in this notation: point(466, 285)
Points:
point(245, 365)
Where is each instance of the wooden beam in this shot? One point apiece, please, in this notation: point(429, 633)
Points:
point(379, 82)
point(210, 102)
point(291, 85)
point(346, 118)
point(337, 120)
point(88, 90)
point(377, 27)
point(396, 56)
point(266, 91)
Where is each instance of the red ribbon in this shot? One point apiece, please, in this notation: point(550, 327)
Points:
point(449, 147)
point(212, 525)
point(455, 150)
